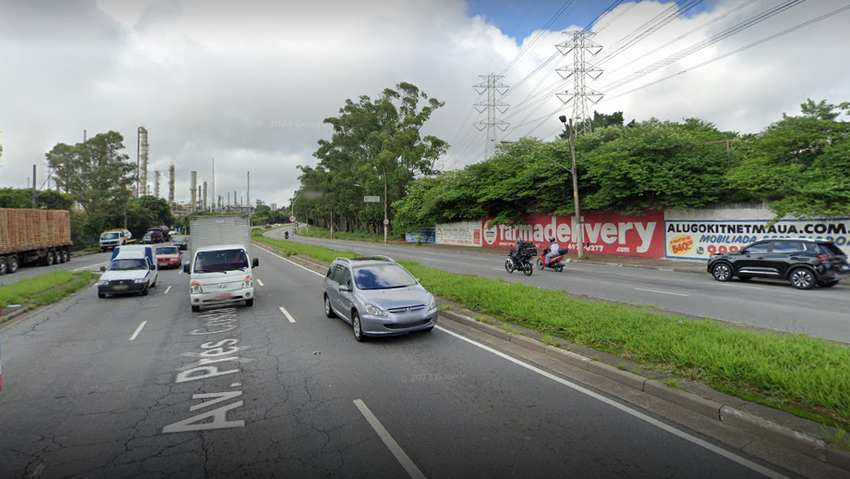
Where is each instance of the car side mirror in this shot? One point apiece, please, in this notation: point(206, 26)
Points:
point(344, 288)
point(185, 267)
point(256, 262)
point(103, 269)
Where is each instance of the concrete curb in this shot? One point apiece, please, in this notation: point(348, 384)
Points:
point(733, 416)
point(14, 314)
point(730, 414)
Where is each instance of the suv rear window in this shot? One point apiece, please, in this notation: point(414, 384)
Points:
point(830, 248)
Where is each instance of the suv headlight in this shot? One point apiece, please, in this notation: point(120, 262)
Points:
point(248, 282)
point(196, 288)
point(140, 280)
point(373, 310)
point(433, 304)
point(104, 282)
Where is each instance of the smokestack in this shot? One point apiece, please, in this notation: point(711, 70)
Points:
point(142, 160)
point(171, 185)
point(194, 187)
point(156, 184)
point(213, 186)
point(205, 196)
point(248, 203)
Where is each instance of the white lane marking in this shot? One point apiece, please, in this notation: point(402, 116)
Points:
point(138, 330)
point(288, 261)
point(260, 282)
point(167, 290)
point(672, 430)
point(286, 313)
point(661, 292)
point(393, 446)
point(737, 285)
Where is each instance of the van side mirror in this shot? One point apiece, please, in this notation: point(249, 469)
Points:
point(186, 267)
point(256, 262)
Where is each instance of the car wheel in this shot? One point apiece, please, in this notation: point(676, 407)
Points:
point(195, 309)
point(145, 291)
point(722, 272)
point(4, 266)
point(802, 278)
point(13, 264)
point(249, 302)
point(357, 327)
point(745, 278)
point(509, 266)
point(540, 264)
point(328, 311)
point(101, 295)
point(527, 268)
point(828, 284)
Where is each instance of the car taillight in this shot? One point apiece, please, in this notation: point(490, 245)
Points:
point(826, 257)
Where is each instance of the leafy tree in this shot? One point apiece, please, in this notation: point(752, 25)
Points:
point(376, 149)
point(800, 164)
point(95, 173)
point(22, 198)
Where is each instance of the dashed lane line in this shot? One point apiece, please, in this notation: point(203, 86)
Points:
point(286, 313)
point(138, 330)
point(167, 290)
point(393, 446)
point(661, 292)
point(260, 282)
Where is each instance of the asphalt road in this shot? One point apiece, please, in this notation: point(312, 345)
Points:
point(767, 304)
point(141, 387)
point(88, 261)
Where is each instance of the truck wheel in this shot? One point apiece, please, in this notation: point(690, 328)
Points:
point(4, 266)
point(195, 309)
point(60, 258)
point(145, 291)
point(66, 255)
point(13, 264)
point(49, 259)
point(249, 302)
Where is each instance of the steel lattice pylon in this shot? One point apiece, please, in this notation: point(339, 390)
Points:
point(580, 44)
point(491, 85)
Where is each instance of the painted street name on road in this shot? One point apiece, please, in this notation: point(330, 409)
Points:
point(216, 358)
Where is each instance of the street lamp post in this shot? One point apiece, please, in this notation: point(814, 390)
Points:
point(580, 236)
point(292, 211)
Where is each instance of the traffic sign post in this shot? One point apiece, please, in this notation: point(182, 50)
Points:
point(386, 222)
point(292, 219)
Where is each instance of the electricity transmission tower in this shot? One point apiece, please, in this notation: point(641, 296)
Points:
point(491, 85)
point(580, 44)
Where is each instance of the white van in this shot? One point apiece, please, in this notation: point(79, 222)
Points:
point(221, 274)
point(132, 269)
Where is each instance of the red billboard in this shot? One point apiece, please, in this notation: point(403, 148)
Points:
point(604, 233)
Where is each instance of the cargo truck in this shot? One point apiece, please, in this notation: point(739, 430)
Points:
point(111, 239)
point(30, 236)
point(221, 261)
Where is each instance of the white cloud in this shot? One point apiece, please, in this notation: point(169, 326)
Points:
point(250, 82)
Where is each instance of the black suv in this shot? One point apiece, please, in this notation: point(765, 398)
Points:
point(803, 262)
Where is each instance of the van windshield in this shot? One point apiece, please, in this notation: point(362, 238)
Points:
point(109, 236)
point(128, 264)
point(219, 261)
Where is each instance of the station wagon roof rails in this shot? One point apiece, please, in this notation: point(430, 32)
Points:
point(343, 259)
point(382, 257)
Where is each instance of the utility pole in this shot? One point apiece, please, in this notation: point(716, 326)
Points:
point(491, 85)
point(33, 187)
point(580, 235)
point(579, 44)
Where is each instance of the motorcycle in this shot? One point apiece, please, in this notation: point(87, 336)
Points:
point(556, 263)
point(520, 260)
point(286, 235)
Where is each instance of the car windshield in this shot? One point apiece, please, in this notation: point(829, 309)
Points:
point(383, 276)
point(167, 250)
point(128, 264)
point(222, 260)
point(109, 236)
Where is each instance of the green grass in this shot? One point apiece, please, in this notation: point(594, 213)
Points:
point(839, 438)
point(790, 371)
point(444, 307)
point(317, 232)
point(547, 340)
point(44, 289)
point(673, 383)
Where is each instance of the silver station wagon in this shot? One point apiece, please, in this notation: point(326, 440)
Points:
point(378, 297)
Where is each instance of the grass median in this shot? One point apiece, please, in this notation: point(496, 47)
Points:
point(43, 289)
point(317, 232)
point(803, 375)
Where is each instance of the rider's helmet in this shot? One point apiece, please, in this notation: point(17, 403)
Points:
point(552, 239)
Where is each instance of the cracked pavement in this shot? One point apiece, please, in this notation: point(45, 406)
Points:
point(80, 400)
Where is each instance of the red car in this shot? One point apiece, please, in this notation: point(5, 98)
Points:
point(169, 257)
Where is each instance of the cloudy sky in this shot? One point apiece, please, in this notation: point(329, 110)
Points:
point(248, 83)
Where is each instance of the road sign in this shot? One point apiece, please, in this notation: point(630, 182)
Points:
point(386, 221)
point(292, 219)
point(371, 199)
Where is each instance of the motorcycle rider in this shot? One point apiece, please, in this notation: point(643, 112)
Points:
point(552, 250)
